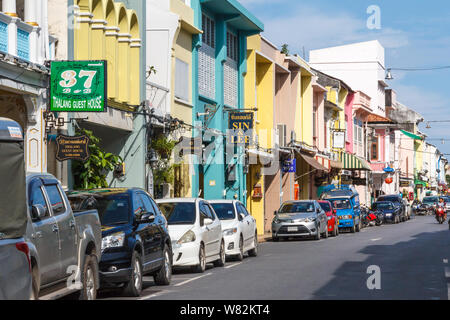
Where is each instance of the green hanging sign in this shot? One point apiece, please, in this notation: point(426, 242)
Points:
point(78, 86)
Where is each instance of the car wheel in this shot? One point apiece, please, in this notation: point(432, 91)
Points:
point(221, 261)
point(358, 226)
point(353, 229)
point(335, 231)
point(35, 283)
point(133, 287)
point(254, 252)
point(164, 275)
point(240, 256)
point(89, 278)
point(326, 232)
point(317, 237)
point(275, 239)
point(201, 267)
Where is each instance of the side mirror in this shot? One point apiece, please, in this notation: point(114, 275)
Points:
point(318, 210)
point(241, 216)
point(38, 212)
point(334, 211)
point(275, 212)
point(207, 221)
point(147, 218)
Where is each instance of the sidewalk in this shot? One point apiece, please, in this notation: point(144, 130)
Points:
point(265, 237)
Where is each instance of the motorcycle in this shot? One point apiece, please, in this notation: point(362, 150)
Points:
point(372, 218)
point(440, 214)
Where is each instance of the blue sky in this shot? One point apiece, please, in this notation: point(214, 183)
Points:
point(415, 33)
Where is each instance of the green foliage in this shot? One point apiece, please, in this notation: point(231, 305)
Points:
point(92, 173)
point(285, 49)
point(163, 171)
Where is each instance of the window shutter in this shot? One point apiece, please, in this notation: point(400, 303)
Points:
point(181, 80)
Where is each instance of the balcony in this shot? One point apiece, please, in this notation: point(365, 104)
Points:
point(362, 102)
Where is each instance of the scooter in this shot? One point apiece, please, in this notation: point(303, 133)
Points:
point(373, 218)
point(440, 214)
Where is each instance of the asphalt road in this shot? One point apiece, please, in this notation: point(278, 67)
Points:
point(412, 258)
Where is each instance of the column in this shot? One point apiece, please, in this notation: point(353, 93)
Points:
point(31, 9)
point(9, 8)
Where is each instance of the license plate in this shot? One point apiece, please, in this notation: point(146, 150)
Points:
point(292, 229)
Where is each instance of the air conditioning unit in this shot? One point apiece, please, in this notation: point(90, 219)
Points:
point(281, 130)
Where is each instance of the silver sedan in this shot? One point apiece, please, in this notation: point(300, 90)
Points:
point(304, 218)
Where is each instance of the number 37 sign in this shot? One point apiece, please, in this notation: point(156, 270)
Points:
point(78, 86)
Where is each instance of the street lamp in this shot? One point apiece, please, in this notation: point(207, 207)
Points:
point(389, 75)
point(152, 159)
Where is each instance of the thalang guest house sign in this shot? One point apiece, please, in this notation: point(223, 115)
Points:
point(72, 148)
point(240, 127)
point(78, 86)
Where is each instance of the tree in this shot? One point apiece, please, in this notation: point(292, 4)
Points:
point(92, 173)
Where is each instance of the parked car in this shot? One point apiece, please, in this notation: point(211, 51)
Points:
point(238, 227)
point(135, 239)
point(397, 200)
point(347, 206)
point(196, 233)
point(300, 219)
point(392, 213)
point(333, 221)
point(61, 242)
point(15, 261)
point(429, 204)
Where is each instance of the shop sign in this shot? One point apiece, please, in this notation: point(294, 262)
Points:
point(339, 139)
point(72, 148)
point(78, 86)
point(240, 127)
point(290, 166)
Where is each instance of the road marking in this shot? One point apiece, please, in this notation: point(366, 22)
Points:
point(196, 278)
point(445, 260)
point(233, 265)
point(376, 239)
point(447, 272)
point(153, 295)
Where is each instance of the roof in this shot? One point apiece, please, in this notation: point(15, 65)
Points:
point(375, 118)
point(170, 200)
point(100, 191)
point(223, 201)
point(10, 130)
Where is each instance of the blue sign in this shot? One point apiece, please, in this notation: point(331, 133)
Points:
point(289, 166)
point(389, 170)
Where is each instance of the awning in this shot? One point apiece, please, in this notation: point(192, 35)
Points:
point(352, 162)
point(411, 135)
point(261, 154)
point(313, 162)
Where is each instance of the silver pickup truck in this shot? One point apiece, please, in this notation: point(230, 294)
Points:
point(15, 275)
point(65, 248)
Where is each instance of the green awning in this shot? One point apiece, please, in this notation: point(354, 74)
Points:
point(411, 135)
point(352, 162)
point(423, 183)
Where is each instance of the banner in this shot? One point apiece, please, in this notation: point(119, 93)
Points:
point(78, 86)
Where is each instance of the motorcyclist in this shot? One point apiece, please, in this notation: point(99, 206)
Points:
point(442, 204)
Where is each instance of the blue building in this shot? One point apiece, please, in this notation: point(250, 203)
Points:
point(219, 64)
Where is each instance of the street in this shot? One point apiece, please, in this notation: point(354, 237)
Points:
point(413, 258)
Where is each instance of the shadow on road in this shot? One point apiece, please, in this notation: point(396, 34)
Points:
point(410, 270)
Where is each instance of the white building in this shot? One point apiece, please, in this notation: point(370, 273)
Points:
point(25, 45)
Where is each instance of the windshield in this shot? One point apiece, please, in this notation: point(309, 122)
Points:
point(430, 200)
point(224, 211)
point(340, 204)
point(382, 206)
point(112, 209)
point(297, 207)
point(325, 206)
point(390, 199)
point(178, 212)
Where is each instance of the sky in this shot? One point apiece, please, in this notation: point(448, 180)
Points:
point(414, 33)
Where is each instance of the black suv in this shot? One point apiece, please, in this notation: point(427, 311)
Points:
point(397, 200)
point(135, 240)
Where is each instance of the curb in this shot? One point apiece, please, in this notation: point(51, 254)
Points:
point(264, 238)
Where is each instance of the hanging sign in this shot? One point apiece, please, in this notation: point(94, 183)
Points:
point(339, 139)
point(78, 86)
point(240, 127)
point(72, 148)
point(290, 166)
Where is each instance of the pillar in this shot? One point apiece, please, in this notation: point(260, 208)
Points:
point(31, 10)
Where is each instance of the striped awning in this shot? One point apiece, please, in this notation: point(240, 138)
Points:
point(352, 162)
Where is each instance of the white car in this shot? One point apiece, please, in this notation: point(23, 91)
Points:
point(239, 228)
point(195, 231)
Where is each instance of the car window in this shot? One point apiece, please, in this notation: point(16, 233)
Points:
point(148, 207)
point(203, 213)
point(56, 200)
point(179, 212)
point(155, 206)
point(213, 213)
point(243, 209)
point(224, 211)
point(297, 207)
point(341, 204)
point(37, 197)
point(138, 205)
point(112, 209)
point(325, 206)
point(208, 211)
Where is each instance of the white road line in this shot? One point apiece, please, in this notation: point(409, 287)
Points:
point(152, 295)
point(233, 265)
point(447, 272)
point(187, 281)
point(376, 239)
point(445, 260)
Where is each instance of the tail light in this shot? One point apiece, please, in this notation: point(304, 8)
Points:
point(23, 247)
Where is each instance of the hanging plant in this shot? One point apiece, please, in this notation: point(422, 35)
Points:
point(164, 169)
point(163, 146)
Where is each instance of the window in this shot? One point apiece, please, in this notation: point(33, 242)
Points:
point(374, 150)
point(56, 201)
point(147, 204)
point(179, 212)
point(181, 80)
point(209, 31)
point(224, 211)
point(242, 209)
point(232, 46)
point(37, 197)
point(138, 205)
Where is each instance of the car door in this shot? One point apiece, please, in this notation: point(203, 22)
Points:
point(143, 231)
point(216, 228)
point(208, 235)
point(157, 243)
point(63, 215)
point(43, 236)
point(322, 217)
point(247, 228)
